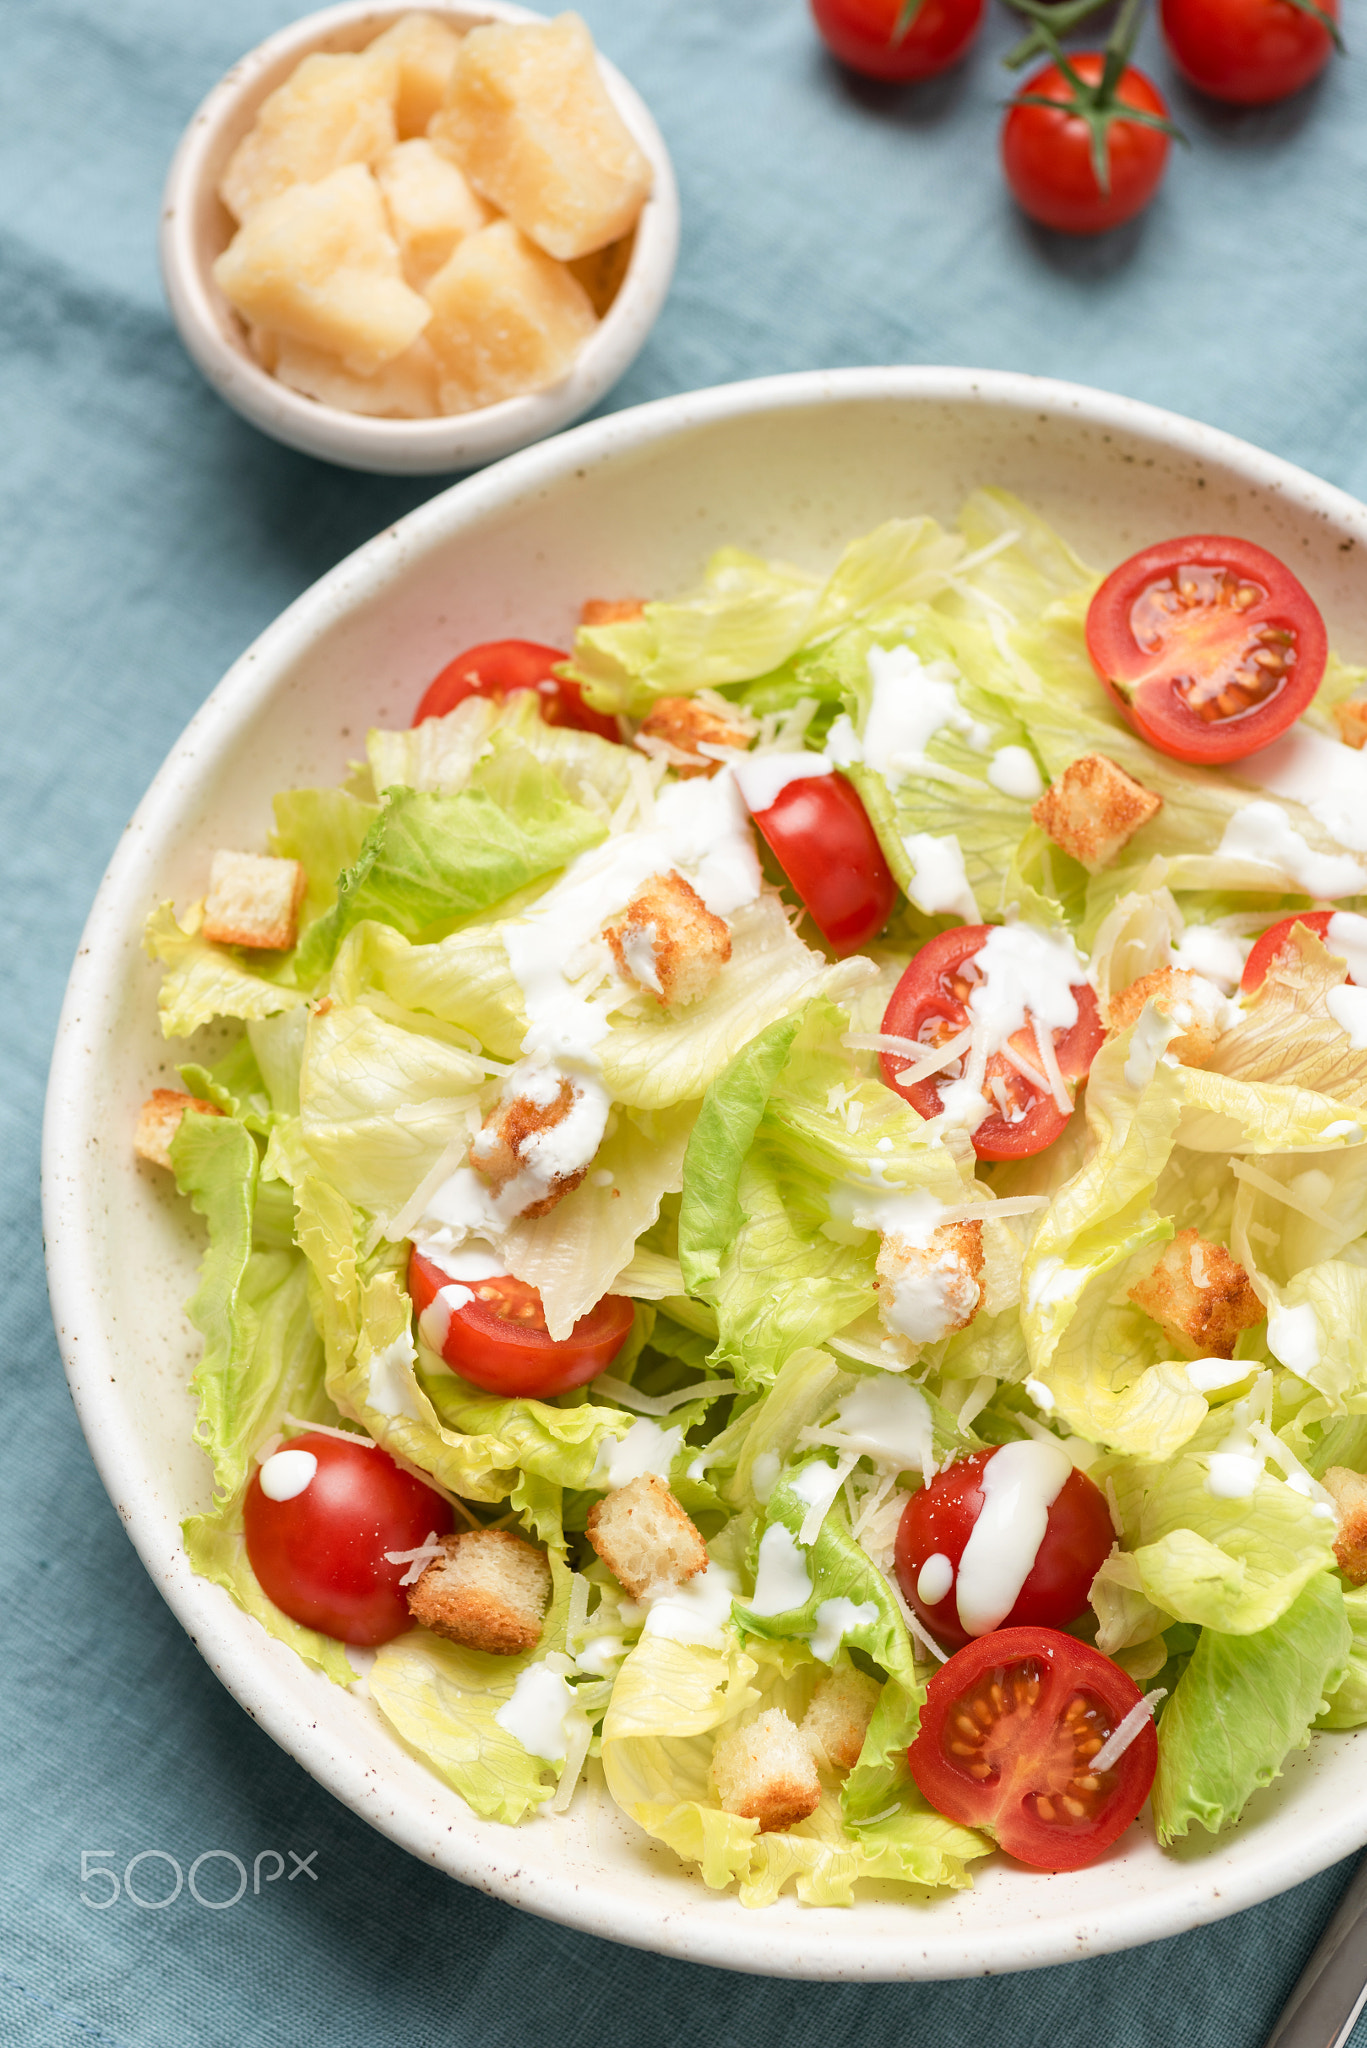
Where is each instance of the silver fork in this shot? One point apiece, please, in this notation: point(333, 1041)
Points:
point(1332, 1988)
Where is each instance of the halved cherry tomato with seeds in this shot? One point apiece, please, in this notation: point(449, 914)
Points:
point(496, 668)
point(930, 1006)
point(1209, 645)
point(939, 1519)
point(498, 1340)
point(821, 837)
point(1008, 1732)
point(1274, 938)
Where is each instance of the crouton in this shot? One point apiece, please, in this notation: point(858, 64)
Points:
point(254, 900)
point(676, 725)
point(667, 940)
point(836, 1722)
point(506, 1147)
point(1094, 809)
point(1197, 1291)
point(1186, 999)
point(766, 1772)
point(611, 611)
point(927, 1291)
point(1351, 719)
point(644, 1537)
point(489, 1592)
point(159, 1120)
point(1349, 1492)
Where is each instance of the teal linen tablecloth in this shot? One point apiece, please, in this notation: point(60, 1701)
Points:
point(148, 534)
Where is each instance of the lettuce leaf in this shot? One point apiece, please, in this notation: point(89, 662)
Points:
point(1242, 1704)
point(203, 981)
point(324, 830)
point(441, 1701)
point(1347, 1706)
point(441, 754)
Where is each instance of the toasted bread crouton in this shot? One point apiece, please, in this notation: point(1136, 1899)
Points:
point(254, 900)
point(1199, 1292)
point(506, 1146)
point(836, 1722)
point(1186, 999)
point(927, 1291)
point(489, 1592)
point(1094, 809)
point(159, 1120)
point(1351, 719)
point(766, 1772)
point(644, 1537)
point(1349, 1492)
point(678, 724)
point(667, 940)
point(610, 611)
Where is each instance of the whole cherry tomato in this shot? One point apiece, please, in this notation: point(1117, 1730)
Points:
point(891, 40)
point(1009, 1733)
point(939, 1519)
point(319, 1552)
point(497, 668)
point(821, 837)
point(496, 1338)
point(1209, 645)
point(1249, 52)
point(1049, 153)
point(930, 1006)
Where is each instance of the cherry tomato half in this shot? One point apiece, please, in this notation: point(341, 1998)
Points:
point(498, 1340)
point(498, 667)
point(863, 34)
point(320, 1556)
point(1209, 645)
point(939, 1519)
point(822, 839)
point(1274, 938)
point(1047, 151)
point(1248, 52)
point(930, 1006)
point(1008, 1731)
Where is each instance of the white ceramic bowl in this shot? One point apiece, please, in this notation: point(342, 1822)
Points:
point(630, 504)
point(196, 228)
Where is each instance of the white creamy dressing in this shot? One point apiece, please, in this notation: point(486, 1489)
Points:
point(912, 1214)
point(638, 951)
point(1024, 971)
point(1208, 1375)
point(1346, 939)
point(1293, 1337)
point(391, 1390)
point(1020, 1484)
point(836, 1619)
point(782, 1581)
point(888, 1420)
point(1217, 956)
point(538, 1712)
point(434, 1324)
point(1329, 778)
point(940, 883)
point(935, 1579)
point(285, 1474)
point(1051, 1283)
point(1348, 1007)
point(1263, 834)
point(930, 1297)
point(697, 1611)
point(1153, 1034)
point(762, 778)
point(645, 1448)
point(1013, 770)
point(1041, 1396)
point(1235, 1467)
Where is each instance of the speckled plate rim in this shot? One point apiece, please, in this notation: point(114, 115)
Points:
point(1159, 1896)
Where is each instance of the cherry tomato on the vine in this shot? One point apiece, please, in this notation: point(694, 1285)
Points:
point(319, 1553)
point(496, 1338)
point(1049, 153)
point(1208, 644)
point(1249, 52)
point(890, 40)
point(1008, 1734)
point(821, 837)
point(930, 1006)
point(496, 668)
point(939, 1519)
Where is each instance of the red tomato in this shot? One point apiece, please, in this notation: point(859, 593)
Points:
point(1209, 645)
point(1248, 51)
point(499, 1340)
point(321, 1556)
point(1047, 151)
point(939, 1520)
point(864, 35)
point(1274, 938)
point(499, 667)
point(1008, 1731)
point(930, 1006)
point(822, 839)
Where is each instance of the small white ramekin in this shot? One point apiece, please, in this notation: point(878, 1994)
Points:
point(196, 228)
